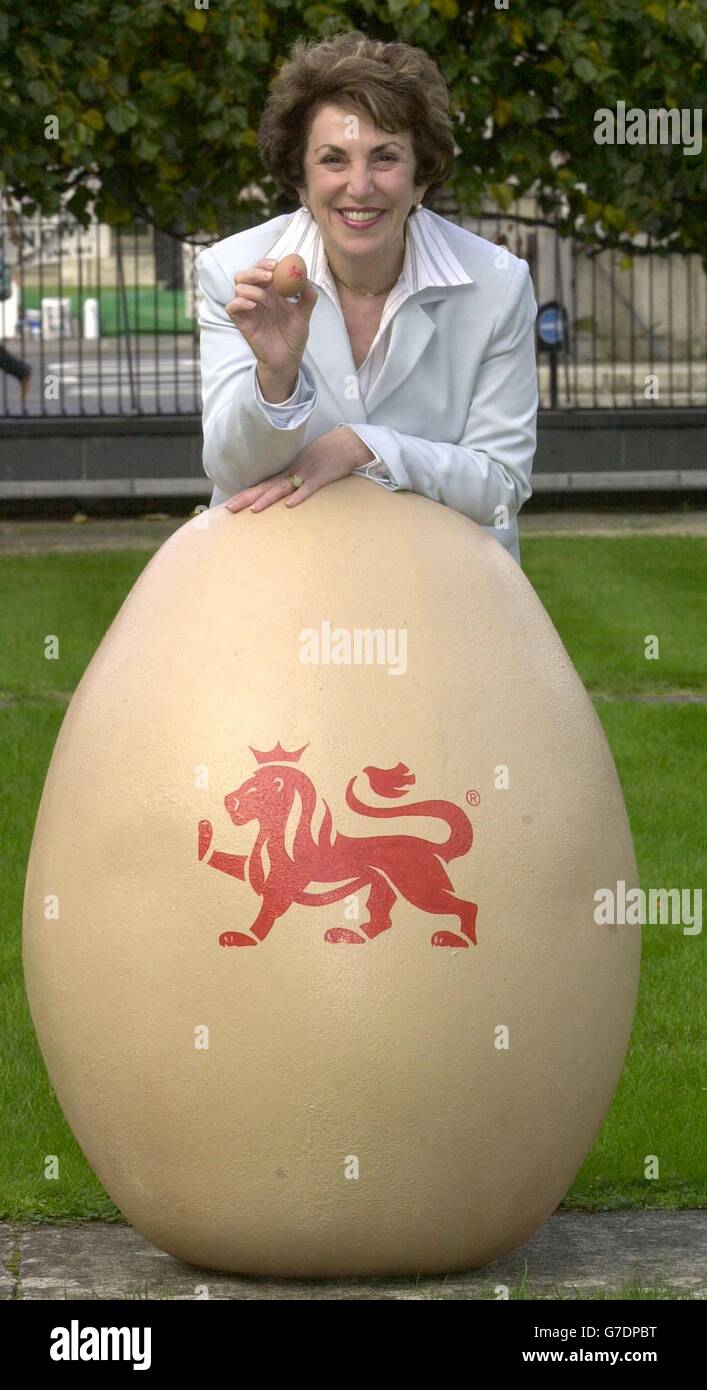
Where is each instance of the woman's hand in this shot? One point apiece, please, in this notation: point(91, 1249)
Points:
point(275, 328)
point(332, 456)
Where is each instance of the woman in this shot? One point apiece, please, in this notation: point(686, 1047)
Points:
point(409, 357)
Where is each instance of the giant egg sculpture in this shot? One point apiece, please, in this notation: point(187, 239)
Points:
point(309, 931)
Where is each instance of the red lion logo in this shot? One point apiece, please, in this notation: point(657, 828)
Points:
point(388, 865)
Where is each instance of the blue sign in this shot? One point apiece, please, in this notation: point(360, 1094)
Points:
point(551, 325)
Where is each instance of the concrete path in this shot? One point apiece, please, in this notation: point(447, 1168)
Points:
point(153, 528)
point(574, 1255)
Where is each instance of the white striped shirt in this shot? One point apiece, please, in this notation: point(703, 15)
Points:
point(429, 260)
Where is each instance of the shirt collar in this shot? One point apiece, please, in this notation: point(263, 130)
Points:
point(429, 258)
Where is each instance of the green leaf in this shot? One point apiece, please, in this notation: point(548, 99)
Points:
point(519, 31)
point(81, 135)
point(448, 9)
point(550, 24)
point(502, 112)
point(39, 92)
point(93, 118)
point(196, 20)
point(585, 69)
point(146, 149)
point(121, 118)
point(503, 194)
point(613, 216)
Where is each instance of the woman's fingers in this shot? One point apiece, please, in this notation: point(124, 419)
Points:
point(263, 495)
point(309, 485)
point(243, 499)
point(253, 284)
point(258, 275)
point(251, 290)
point(278, 488)
point(240, 302)
point(248, 297)
point(240, 500)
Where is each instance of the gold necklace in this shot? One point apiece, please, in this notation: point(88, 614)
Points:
point(366, 294)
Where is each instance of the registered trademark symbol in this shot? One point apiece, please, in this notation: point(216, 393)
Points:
point(473, 798)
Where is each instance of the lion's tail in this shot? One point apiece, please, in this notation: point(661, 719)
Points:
point(461, 834)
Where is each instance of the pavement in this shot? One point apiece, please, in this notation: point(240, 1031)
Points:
point(574, 1255)
point(150, 530)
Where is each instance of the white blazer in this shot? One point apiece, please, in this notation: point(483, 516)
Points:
point(452, 409)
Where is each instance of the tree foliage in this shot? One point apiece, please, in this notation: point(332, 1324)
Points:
point(157, 104)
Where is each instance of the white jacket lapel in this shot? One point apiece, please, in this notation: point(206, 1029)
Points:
point(330, 350)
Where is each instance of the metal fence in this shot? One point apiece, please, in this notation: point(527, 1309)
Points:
point(106, 320)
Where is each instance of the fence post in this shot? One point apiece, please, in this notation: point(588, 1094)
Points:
point(123, 301)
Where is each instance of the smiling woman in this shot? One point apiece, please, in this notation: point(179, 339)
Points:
point(408, 357)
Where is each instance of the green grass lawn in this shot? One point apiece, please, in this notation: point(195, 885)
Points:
point(605, 596)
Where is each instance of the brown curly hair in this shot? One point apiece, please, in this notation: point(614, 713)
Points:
point(397, 86)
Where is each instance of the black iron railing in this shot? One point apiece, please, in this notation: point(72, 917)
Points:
point(105, 320)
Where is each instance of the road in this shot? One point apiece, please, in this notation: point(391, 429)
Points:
point(158, 375)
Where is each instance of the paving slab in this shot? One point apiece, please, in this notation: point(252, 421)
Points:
point(152, 529)
point(8, 1245)
point(621, 522)
point(575, 1254)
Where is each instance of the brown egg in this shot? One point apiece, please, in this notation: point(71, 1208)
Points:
point(289, 276)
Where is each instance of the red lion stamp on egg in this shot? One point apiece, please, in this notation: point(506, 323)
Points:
point(389, 866)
